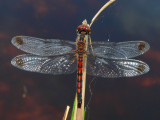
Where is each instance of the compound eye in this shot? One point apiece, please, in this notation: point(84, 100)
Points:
point(84, 32)
point(85, 28)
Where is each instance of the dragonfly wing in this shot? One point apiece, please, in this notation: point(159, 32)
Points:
point(43, 47)
point(65, 64)
point(112, 68)
point(113, 50)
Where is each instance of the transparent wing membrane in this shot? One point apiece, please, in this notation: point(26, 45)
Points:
point(128, 49)
point(53, 56)
point(65, 64)
point(112, 68)
point(43, 47)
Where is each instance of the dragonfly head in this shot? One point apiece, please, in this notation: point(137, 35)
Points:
point(84, 28)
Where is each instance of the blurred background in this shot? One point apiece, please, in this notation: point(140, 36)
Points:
point(33, 96)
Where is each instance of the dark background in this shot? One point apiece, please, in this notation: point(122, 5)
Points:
point(32, 96)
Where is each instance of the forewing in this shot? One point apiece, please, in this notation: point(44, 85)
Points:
point(128, 49)
point(50, 65)
point(43, 47)
point(112, 68)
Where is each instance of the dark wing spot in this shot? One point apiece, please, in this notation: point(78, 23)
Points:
point(140, 68)
point(19, 40)
point(141, 46)
point(20, 62)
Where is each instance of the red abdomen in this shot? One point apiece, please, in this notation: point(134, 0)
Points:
point(80, 51)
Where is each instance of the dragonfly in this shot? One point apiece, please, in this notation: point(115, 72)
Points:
point(104, 59)
point(54, 56)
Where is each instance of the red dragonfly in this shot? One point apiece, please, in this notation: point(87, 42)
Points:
point(106, 59)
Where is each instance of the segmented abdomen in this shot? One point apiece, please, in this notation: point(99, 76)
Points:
point(80, 51)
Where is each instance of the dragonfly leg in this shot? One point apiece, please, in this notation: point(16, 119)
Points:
point(74, 51)
point(90, 42)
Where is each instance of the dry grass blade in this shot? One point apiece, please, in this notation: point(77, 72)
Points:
point(99, 12)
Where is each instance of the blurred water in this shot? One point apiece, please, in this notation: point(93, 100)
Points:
point(47, 96)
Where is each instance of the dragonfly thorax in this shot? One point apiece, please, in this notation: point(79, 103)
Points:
point(81, 42)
